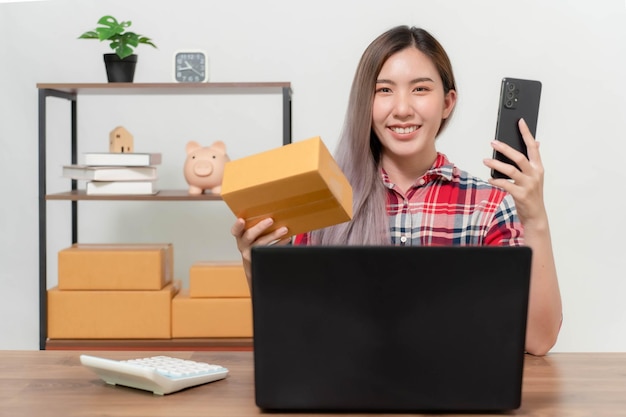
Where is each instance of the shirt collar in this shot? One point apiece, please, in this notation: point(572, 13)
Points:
point(442, 168)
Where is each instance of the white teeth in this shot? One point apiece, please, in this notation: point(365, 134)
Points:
point(404, 130)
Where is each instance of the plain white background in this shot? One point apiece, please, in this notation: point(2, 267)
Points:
point(577, 48)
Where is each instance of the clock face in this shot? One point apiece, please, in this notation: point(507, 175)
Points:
point(191, 67)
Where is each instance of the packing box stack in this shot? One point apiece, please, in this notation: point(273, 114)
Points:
point(217, 303)
point(128, 291)
point(113, 291)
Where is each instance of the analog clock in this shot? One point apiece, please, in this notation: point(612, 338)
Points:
point(191, 67)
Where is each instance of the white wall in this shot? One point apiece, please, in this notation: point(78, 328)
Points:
point(575, 47)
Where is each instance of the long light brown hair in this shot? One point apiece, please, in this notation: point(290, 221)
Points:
point(359, 149)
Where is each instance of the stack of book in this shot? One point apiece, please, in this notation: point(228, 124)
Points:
point(219, 294)
point(109, 173)
point(113, 291)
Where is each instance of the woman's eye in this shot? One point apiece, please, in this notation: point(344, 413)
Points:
point(383, 90)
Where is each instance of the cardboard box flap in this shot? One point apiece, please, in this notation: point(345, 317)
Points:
point(119, 247)
point(262, 168)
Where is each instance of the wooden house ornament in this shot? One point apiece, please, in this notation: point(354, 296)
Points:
point(120, 140)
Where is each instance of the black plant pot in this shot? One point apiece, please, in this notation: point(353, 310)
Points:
point(120, 70)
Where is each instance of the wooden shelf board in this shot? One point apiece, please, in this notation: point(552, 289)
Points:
point(166, 88)
point(223, 344)
point(162, 195)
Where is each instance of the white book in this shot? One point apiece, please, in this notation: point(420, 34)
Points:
point(110, 173)
point(121, 159)
point(121, 188)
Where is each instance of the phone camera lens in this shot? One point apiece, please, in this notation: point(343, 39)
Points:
point(511, 87)
point(509, 104)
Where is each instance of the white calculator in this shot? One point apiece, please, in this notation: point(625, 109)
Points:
point(159, 374)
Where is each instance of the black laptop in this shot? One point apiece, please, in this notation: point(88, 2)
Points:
point(397, 329)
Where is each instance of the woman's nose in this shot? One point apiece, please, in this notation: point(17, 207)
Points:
point(403, 106)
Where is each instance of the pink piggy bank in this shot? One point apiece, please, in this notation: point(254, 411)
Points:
point(204, 167)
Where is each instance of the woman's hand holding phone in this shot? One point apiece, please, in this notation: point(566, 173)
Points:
point(519, 99)
point(526, 176)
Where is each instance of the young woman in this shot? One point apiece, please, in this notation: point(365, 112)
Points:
point(407, 193)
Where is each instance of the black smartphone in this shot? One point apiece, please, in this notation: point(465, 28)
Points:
point(518, 99)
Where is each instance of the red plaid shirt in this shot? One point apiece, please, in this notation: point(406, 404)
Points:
point(447, 206)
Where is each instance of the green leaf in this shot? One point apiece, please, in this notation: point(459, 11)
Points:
point(108, 20)
point(123, 51)
point(130, 38)
point(106, 33)
point(89, 35)
point(111, 27)
point(146, 41)
point(112, 23)
point(121, 42)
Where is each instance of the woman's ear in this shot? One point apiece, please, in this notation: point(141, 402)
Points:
point(449, 102)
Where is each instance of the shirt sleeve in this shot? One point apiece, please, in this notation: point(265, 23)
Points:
point(301, 239)
point(506, 228)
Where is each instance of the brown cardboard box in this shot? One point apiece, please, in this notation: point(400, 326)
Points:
point(111, 314)
point(211, 317)
point(218, 279)
point(116, 266)
point(299, 185)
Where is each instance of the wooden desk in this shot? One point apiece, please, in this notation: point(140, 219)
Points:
point(53, 383)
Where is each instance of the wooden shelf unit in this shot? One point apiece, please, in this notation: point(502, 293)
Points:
point(70, 92)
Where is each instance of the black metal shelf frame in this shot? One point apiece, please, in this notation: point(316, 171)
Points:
point(71, 92)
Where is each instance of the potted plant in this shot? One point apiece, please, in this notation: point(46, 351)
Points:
point(120, 66)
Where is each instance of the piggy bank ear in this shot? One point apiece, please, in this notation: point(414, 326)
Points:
point(192, 146)
point(219, 145)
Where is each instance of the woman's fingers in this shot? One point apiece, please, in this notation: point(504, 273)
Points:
point(238, 228)
point(257, 234)
point(532, 146)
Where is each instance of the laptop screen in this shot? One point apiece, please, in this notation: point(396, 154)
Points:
point(389, 328)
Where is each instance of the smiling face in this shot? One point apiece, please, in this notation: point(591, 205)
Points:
point(409, 106)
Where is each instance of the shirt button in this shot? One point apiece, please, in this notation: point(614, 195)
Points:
point(403, 239)
point(422, 181)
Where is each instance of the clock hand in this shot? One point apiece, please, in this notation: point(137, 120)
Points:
point(190, 67)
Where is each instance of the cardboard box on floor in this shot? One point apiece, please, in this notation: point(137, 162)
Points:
point(299, 185)
point(97, 314)
point(126, 266)
point(211, 317)
point(218, 279)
